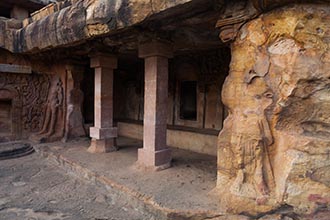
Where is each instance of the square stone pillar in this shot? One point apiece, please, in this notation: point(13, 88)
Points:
point(103, 133)
point(155, 152)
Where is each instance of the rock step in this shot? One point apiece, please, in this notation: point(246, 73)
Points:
point(18, 150)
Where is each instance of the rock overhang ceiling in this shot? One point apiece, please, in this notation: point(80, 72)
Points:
point(78, 22)
point(73, 22)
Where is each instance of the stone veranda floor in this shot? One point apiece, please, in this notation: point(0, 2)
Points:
point(179, 192)
point(73, 184)
point(33, 189)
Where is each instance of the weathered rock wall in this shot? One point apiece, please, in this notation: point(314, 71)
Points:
point(82, 20)
point(274, 148)
point(38, 100)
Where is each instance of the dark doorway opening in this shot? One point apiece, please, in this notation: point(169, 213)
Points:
point(188, 100)
point(5, 117)
point(87, 86)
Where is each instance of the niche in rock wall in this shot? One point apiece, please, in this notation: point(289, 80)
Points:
point(9, 115)
point(5, 118)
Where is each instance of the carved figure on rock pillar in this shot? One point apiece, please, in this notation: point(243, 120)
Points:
point(274, 148)
point(252, 137)
point(244, 145)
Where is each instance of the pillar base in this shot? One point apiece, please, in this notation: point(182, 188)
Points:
point(102, 146)
point(157, 160)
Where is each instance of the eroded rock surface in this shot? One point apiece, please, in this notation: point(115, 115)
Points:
point(82, 20)
point(274, 148)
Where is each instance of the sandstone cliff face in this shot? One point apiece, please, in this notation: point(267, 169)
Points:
point(80, 21)
point(275, 146)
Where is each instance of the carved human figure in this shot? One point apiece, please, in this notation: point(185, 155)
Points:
point(54, 103)
point(74, 121)
point(288, 50)
point(252, 136)
point(249, 136)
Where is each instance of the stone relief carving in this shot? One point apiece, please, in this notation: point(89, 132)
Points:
point(274, 148)
point(252, 145)
point(249, 137)
point(53, 113)
point(31, 94)
point(36, 92)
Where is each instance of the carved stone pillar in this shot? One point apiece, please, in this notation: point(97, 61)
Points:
point(155, 152)
point(103, 133)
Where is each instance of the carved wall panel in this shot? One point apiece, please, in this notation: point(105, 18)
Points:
point(28, 96)
point(52, 127)
point(31, 96)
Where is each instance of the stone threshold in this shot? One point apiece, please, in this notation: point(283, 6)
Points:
point(59, 154)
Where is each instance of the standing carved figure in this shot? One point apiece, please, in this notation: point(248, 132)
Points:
point(54, 104)
point(252, 137)
point(74, 121)
point(244, 153)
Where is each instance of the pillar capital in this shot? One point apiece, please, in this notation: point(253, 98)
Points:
point(156, 48)
point(103, 60)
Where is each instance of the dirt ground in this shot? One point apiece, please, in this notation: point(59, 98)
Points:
point(32, 189)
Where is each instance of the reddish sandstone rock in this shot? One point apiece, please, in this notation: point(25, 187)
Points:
point(274, 148)
point(64, 24)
